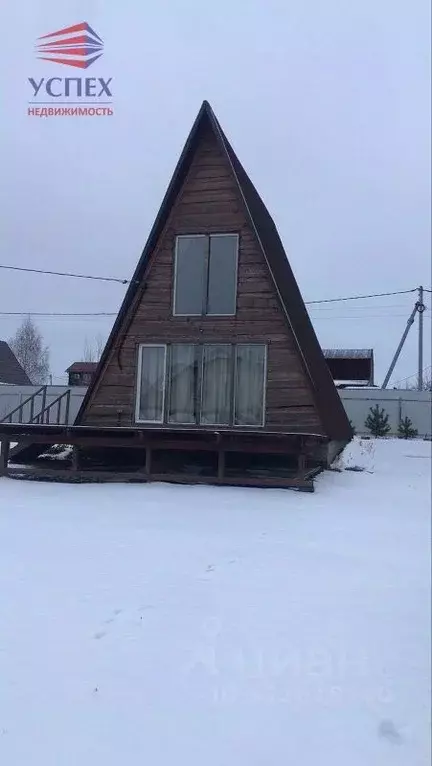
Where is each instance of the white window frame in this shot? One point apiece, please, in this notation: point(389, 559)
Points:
point(209, 237)
point(139, 382)
point(226, 234)
point(264, 399)
point(220, 425)
point(168, 378)
point(178, 237)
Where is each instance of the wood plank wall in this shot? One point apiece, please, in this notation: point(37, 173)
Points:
point(209, 202)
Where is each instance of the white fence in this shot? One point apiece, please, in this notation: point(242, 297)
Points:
point(357, 402)
point(397, 404)
point(13, 396)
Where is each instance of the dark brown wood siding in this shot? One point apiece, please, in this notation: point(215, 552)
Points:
point(209, 202)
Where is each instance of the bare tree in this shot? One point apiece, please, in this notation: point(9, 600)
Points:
point(427, 384)
point(33, 356)
point(93, 351)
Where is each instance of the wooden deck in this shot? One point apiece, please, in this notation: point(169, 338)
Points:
point(149, 455)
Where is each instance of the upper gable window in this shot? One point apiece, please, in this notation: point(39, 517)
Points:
point(205, 279)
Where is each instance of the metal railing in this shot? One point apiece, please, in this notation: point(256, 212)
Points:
point(44, 414)
point(20, 409)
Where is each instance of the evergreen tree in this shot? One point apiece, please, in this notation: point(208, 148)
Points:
point(377, 421)
point(406, 429)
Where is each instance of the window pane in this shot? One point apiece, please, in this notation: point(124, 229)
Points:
point(190, 275)
point(249, 385)
point(183, 387)
point(222, 278)
point(216, 386)
point(151, 385)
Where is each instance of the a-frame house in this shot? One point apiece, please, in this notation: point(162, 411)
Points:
point(213, 331)
point(212, 366)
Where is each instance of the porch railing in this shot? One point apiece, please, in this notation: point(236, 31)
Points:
point(25, 412)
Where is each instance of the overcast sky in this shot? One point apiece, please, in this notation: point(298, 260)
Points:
point(326, 102)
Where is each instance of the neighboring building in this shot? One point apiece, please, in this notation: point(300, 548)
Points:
point(350, 366)
point(10, 369)
point(81, 373)
point(213, 338)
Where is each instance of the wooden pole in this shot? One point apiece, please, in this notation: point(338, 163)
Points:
point(148, 457)
point(75, 458)
point(221, 464)
point(4, 456)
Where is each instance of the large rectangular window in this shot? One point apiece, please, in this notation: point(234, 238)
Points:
point(205, 280)
point(151, 384)
point(183, 384)
point(190, 275)
point(250, 373)
point(215, 384)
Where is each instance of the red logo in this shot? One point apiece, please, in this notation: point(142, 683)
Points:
point(77, 46)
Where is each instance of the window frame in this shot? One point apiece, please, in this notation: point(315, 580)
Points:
point(187, 236)
point(199, 356)
point(141, 346)
point(230, 346)
point(264, 397)
point(210, 236)
point(197, 396)
point(205, 286)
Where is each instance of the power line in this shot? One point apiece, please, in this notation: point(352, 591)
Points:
point(362, 308)
point(362, 297)
point(127, 281)
point(363, 316)
point(59, 314)
point(66, 274)
point(414, 375)
point(101, 314)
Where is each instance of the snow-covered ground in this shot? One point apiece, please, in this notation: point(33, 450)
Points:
point(207, 626)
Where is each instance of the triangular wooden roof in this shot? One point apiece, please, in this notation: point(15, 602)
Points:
point(330, 408)
point(10, 368)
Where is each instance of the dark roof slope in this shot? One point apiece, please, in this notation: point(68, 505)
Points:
point(327, 399)
point(10, 368)
point(82, 367)
point(348, 353)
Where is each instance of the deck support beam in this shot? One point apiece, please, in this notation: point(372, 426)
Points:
point(75, 458)
point(4, 457)
point(221, 464)
point(148, 461)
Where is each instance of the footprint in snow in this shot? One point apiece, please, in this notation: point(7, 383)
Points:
point(115, 614)
point(387, 730)
point(101, 633)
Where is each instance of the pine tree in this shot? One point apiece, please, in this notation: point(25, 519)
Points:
point(377, 421)
point(406, 429)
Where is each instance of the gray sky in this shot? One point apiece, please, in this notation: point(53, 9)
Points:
point(327, 103)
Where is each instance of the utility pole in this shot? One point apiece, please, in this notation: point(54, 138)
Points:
point(420, 308)
point(400, 346)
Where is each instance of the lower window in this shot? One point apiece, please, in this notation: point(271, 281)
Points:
point(151, 384)
point(250, 363)
point(217, 384)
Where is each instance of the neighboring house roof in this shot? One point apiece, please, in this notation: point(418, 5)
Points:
point(82, 367)
point(10, 368)
point(348, 353)
point(350, 366)
point(331, 410)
